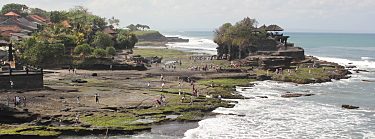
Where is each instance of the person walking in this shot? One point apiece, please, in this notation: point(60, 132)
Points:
point(97, 98)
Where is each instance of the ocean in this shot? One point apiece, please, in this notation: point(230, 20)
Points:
point(318, 116)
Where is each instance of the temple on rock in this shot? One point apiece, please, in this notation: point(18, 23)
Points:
point(274, 51)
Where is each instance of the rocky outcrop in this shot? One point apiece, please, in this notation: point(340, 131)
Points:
point(349, 106)
point(290, 95)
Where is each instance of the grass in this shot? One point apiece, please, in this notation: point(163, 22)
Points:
point(28, 130)
point(145, 32)
point(302, 75)
point(165, 53)
point(226, 82)
point(191, 116)
point(150, 43)
point(114, 120)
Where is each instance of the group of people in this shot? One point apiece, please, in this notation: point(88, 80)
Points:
point(72, 70)
point(18, 101)
point(202, 58)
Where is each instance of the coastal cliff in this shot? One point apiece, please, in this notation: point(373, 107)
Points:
point(155, 38)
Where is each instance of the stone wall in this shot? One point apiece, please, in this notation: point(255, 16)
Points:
point(267, 45)
point(22, 81)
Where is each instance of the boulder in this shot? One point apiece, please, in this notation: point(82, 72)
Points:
point(263, 77)
point(349, 106)
point(289, 95)
point(94, 74)
point(79, 81)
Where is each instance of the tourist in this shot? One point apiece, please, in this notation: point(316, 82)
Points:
point(11, 84)
point(77, 118)
point(8, 101)
point(219, 97)
point(212, 84)
point(148, 85)
point(162, 98)
point(78, 101)
point(97, 98)
point(158, 102)
point(17, 100)
point(161, 77)
point(191, 100)
point(69, 70)
point(162, 86)
point(24, 101)
point(183, 98)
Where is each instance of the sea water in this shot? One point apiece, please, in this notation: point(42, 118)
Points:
point(318, 116)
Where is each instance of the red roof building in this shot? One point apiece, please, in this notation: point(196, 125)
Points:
point(7, 31)
point(12, 14)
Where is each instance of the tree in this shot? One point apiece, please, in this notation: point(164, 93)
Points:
point(39, 12)
point(132, 27)
point(237, 41)
point(13, 7)
point(102, 40)
point(83, 49)
point(57, 16)
point(126, 40)
point(114, 22)
point(99, 53)
point(111, 51)
point(44, 54)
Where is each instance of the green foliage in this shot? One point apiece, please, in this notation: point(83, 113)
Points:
point(113, 21)
point(145, 33)
point(43, 53)
point(143, 27)
point(102, 40)
point(111, 51)
point(57, 16)
point(40, 12)
point(238, 40)
point(83, 49)
point(132, 27)
point(126, 40)
point(13, 7)
point(99, 53)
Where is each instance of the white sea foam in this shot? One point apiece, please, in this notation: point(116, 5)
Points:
point(363, 64)
point(195, 44)
point(277, 117)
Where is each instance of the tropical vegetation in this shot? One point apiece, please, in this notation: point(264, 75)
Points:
point(238, 40)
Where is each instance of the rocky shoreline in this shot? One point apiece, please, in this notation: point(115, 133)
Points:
point(136, 112)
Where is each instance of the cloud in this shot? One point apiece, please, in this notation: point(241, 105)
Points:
point(294, 15)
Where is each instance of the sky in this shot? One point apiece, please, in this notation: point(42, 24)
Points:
point(342, 16)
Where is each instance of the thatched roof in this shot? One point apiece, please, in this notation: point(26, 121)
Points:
point(274, 28)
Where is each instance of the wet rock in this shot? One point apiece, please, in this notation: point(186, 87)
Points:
point(65, 109)
point(262, 96)
point(350, 66)
point(368, 80)
point(349, 106)
point(289, 95)
point(360, 70)
point(263, 77)
point(94, 74)
point(79, 81)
